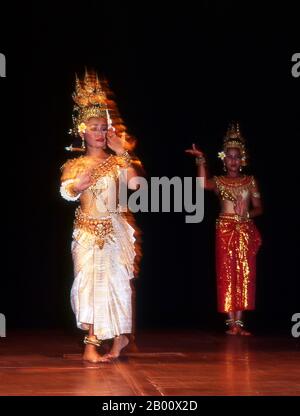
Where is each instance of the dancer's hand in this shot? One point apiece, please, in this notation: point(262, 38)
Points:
point(194, 151)
point(241, 206)
point(115, 142)
point(83, 181)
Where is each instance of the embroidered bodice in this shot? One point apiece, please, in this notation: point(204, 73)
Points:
point(101, 197)
point(230, 189)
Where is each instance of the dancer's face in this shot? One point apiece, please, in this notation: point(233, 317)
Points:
point(95, 134)
point(233, 159)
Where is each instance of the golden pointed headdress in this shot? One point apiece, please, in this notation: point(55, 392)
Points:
point(93, 98)
point(234, 138)
point(90, 100)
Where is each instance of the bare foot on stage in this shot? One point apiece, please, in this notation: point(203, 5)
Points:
point(241, 330)
point(244, 332)
point(233, 330)
point(120, 342)
point(91, 355)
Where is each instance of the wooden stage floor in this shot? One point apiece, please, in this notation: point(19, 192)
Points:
point(165, 363)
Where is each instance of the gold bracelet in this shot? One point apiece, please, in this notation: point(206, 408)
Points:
point(71, 191)
point(67, 191)
point(126, 158)
point(200, 161)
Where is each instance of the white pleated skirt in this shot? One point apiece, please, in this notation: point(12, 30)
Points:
point(101, 293)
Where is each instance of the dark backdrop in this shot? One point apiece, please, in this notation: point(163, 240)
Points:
point(180, 73)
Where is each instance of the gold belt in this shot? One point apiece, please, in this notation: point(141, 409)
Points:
point(100, 228)
point(234, 217)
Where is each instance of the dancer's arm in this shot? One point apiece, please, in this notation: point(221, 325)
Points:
point(73, 181)
point(256, 203)
point(133, 168)
point(209, 184)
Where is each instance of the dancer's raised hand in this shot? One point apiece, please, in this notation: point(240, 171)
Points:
point(194, 151)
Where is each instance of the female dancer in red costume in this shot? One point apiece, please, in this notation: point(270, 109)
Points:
point(237, 238)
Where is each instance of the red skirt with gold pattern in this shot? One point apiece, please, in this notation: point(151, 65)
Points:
point(237, 243)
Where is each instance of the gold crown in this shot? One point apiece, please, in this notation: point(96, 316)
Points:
point(90, 100)
point(233, 132)
point(93, 98)
point(234, 138)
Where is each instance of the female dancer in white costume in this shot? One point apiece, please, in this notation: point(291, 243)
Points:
point(104, 246)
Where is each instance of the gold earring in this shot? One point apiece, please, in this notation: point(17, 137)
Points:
point(82, 143)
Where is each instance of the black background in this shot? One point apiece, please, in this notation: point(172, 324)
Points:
point(180, 73)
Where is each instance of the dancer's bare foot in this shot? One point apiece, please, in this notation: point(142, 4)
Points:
point(91, 355)
point(233, 330)
point(242, 331)
point(120, 342)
